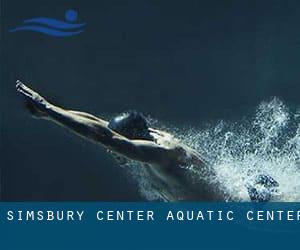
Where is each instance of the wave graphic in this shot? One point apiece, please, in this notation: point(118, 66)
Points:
point(53, 23)
point(53, 27)
point(268, 141)
point(48, 31)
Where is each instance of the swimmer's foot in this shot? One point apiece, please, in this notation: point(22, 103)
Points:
point(34, 103)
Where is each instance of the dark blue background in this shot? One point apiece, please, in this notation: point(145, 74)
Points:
point(158, 234)
point(182, 62)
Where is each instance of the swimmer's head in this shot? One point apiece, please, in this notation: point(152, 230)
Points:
point(132, 125)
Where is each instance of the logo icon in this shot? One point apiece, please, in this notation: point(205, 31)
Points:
point(53, 27)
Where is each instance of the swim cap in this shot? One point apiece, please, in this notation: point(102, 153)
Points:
point(132, 125)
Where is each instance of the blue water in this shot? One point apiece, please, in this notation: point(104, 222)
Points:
point(268, 141)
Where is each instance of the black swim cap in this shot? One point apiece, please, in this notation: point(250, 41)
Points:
point(132, 125)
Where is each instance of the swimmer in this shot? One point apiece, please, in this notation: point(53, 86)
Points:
point(129, 136)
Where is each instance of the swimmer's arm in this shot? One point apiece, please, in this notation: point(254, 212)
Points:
point(87, 115)
point(96, 129)
point(38, 103)
point(83, 124)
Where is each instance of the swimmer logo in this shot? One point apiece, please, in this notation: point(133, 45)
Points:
point(53, 27)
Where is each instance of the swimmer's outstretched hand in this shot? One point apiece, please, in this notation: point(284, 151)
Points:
point(35, 103)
